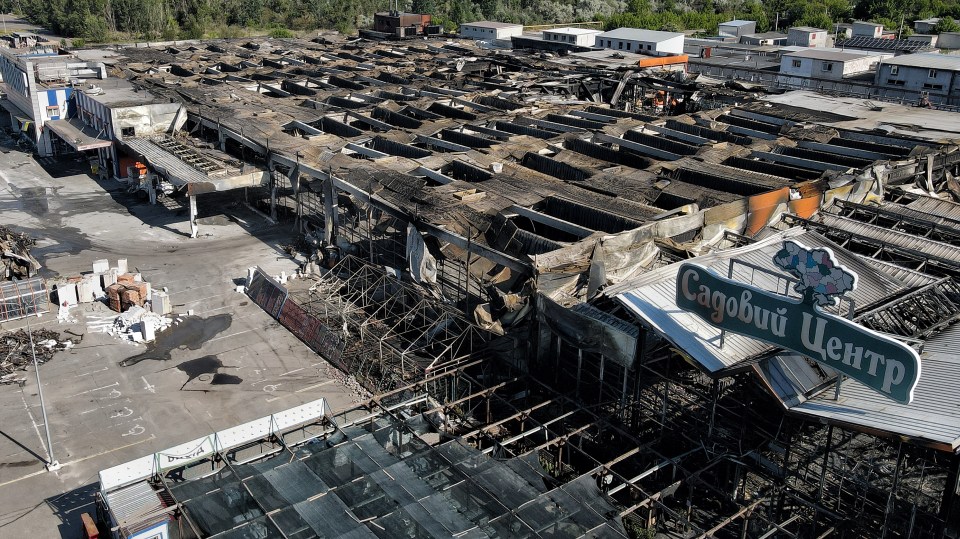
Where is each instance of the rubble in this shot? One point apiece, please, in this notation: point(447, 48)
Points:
point(139, 325)
point(15, 352)
point(15, 258)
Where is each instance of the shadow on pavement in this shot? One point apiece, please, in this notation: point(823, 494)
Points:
point(61, 167)
point(68, 507)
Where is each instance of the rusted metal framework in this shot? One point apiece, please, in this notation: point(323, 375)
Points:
point(394, 331)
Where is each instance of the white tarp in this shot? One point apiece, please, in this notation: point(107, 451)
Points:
point(423, 266)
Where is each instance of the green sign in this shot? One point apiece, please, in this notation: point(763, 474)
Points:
point(879, 362)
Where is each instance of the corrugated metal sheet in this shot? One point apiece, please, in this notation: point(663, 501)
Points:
point(652, 297)
point(916, 213)
point(555, 168)
point(939, 207)
point(168, 164)
point(661, 143)
point(929, 60)
point(908, 277)
point(792, 377)
point(732, 179)
point(934, 414)
point(132, 503)
point(930, 248)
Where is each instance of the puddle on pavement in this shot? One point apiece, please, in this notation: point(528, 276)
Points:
point(207, 368)
point(33, 200)
point(190, 334)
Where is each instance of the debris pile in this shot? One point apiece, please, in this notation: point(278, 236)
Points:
point(16, 262)
point(15, 352)
point(139, 324)
point(119, 288)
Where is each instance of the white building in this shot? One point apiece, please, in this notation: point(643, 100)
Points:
point(867, 29)
point(38, 90)
point(649, 42)
point(805, 36)
point(829, 64)
point(766, 38)
point(737, 28)
point(932, 73)
point(583, 37)
point(490, 30)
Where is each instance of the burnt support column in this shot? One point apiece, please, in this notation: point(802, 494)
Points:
point(893, 490)
point(579, 369)
point(273, 195)
point(826, 459)
point(715, 394)
point(330, 211)
point(950, 495)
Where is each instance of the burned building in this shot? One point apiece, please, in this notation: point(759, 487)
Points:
point(397, 24)
point(495, 254)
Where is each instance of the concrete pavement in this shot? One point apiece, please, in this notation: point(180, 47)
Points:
point(231, 362)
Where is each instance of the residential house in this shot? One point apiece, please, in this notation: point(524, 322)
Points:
point(583, 37)
point(649, 42)
point(737, 28)
point(805, 36)
point(490, 30)
point(931, 73)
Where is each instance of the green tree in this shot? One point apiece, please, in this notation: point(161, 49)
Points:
point(947, 24)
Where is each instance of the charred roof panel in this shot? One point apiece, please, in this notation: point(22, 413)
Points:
point(661, 143)
point(712, 134)
point(775, 169)
point(586, 216)
point(395, 119)
point(606, 153)
point(391, 147)
point(465, 139)
point(575, 122)
point(517, 129)
point(451, 112)
point(552, 167)
point(621, 113)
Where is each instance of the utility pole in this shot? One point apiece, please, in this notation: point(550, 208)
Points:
point(52, 464)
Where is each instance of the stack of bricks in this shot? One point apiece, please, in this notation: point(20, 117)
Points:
point(113, 296)
point(123, 289)
point(127, 292)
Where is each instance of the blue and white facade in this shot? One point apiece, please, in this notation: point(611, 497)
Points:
point(37, 91)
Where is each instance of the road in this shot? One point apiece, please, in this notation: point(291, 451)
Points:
point(10, 23)
point(233, 363)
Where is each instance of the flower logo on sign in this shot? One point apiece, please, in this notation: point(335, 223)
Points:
point(822, 279)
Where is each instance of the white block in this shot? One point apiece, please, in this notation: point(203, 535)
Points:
point(108, 278)
point(67, 292)
point(100, 266)
point(86, 290)
point(122, 265)
point(160, 302)
point(148, 327)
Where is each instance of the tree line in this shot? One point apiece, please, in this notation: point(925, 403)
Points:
point(103, 20)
